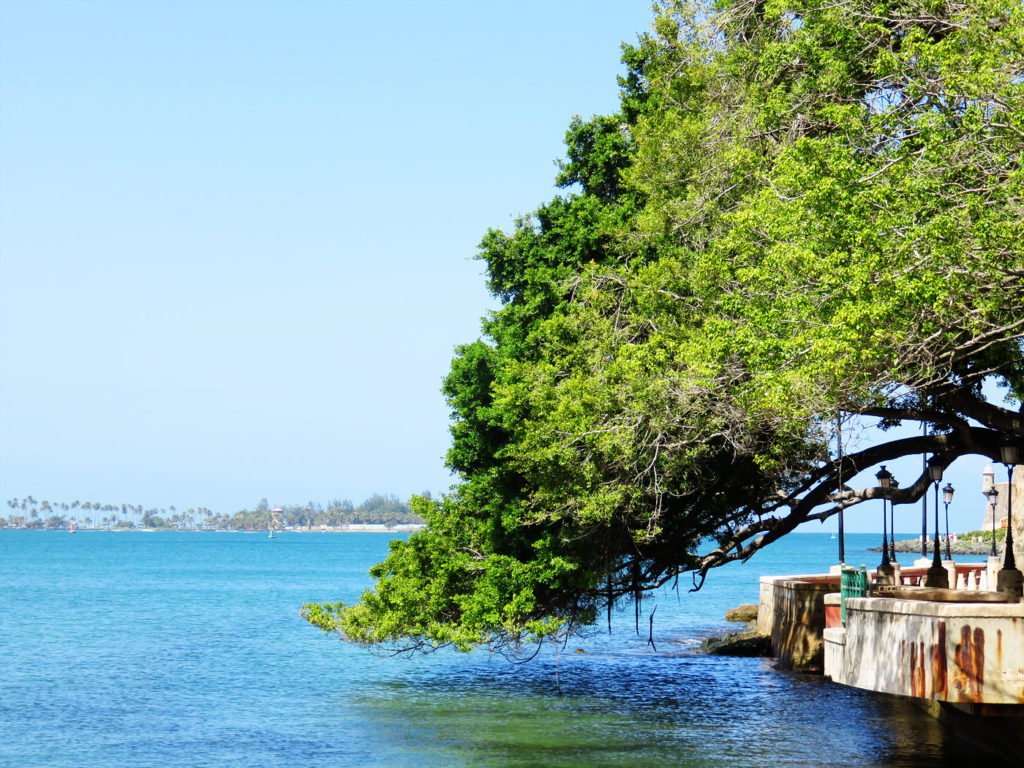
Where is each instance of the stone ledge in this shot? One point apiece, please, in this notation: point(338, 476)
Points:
point(904, 607)
point(835, 635)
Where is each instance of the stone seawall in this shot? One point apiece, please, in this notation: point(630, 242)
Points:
point(959, 653)
point(792, 613)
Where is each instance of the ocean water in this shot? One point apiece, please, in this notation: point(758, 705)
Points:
point(187, 649)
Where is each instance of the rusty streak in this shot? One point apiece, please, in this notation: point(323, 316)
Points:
point(917, 681)
point(970, 660)
point(939, 663)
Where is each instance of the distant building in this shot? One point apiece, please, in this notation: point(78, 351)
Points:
point(1002, 497)
point(999, 509)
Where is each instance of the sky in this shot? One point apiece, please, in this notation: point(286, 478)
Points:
point(237, 238)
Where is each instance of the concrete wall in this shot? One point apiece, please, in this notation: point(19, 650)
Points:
point(960, 653)
point(791, 611)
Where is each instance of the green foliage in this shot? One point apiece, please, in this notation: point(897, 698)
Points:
point(802, 212)
point(985, 535)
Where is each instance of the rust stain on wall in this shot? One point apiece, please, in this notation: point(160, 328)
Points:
point(917, 676)
point(913, 670)
point(901, 684)
point(939, 662)
point(979, 662)
point(970, 661)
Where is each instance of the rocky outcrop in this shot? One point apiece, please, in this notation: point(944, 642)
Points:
point(745, 612)
point(959, 547)
point(747, 643)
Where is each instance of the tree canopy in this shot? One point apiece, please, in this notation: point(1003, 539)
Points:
point(802, 213)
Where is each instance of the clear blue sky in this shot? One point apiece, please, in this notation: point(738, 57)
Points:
point(236, 238)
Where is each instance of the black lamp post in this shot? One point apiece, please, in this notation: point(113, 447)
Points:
point(1010, 579)
point(988, 487)
point(937, 577)
point(839, 489)
point(885, 570)
point(993, 498)
point(894, 484)
point(947, 497)
point(924, 503)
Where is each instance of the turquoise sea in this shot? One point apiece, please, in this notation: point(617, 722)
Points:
point(178, 649)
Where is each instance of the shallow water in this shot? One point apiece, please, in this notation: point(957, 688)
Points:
point(186, 649)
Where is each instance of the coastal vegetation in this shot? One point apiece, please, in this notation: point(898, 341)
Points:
point(802, 214)
point(970, 543)
point(379, 509)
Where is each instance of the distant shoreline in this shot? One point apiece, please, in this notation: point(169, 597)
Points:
point(962, 546)
point(396, 529)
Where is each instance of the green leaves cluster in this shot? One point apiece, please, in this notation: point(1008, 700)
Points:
point(801, 211)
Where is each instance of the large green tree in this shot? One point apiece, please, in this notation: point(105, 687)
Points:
point(803, 212)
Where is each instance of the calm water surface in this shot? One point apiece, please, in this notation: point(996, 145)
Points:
point(186, 649)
